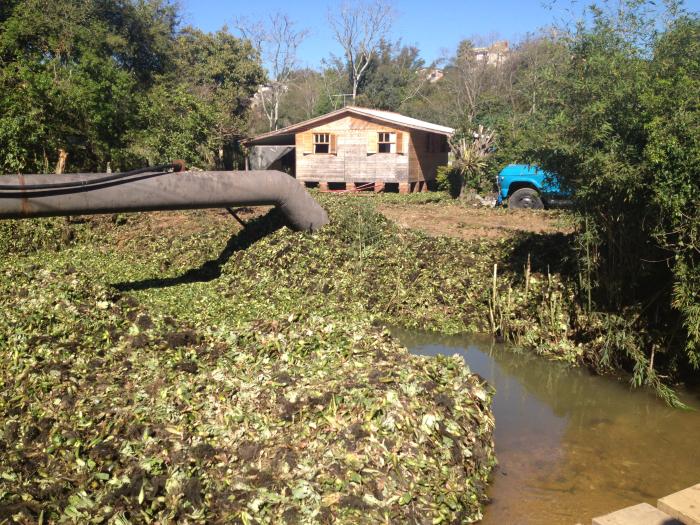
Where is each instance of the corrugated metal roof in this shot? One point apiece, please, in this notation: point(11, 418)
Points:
point(403, 120)
point(386, 116)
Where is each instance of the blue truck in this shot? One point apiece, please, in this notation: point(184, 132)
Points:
point(527, 186)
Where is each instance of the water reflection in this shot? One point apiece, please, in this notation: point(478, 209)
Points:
point(571, 445)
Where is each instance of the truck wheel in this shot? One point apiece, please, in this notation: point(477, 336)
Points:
point(525, 198)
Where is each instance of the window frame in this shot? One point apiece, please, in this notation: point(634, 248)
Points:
point(392, 141)
point(317, 140)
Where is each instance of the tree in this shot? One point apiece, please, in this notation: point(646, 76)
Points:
point(531, 65)
point(300, 102)
point(224, 72)
point(359, 28)
point(619, 124)
point(175, 124)
point(673, 156)
point(396, 74)
point(94, 87)
point(469, 81)
point(73, 85)
point(277, 41)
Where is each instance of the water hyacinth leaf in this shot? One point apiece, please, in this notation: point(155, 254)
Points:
point(258, 386)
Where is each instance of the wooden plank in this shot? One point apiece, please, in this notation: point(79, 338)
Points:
point(683, 505)
point(333, 147)
point(304, 142)
point(332, 126)
point(399, 143)
point(372, 142)
point(414, 170)
point(352, 161)
point(642, 514)
point(424, 164)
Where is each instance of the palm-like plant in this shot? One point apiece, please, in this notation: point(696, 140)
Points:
point(471, 153)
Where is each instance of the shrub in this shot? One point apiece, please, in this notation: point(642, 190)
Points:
point(449, 180)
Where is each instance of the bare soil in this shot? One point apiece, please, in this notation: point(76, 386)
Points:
point(476, 223)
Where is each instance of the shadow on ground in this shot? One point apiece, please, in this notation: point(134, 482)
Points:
point(254, 231)
point(548, 253)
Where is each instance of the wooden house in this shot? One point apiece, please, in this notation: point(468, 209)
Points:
point(356, 148)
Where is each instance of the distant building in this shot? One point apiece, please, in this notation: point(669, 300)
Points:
point(433, 75)
point(264, 90)
point(494, 55)
point(356, 148)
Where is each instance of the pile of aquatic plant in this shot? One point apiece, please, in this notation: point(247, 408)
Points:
point(361, 266)
point(111, 412)
point(31, 236)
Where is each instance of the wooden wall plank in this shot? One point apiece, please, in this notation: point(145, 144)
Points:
point(355, 160)
point(424, 163)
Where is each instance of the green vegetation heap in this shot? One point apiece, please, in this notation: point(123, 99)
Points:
point(160, 368)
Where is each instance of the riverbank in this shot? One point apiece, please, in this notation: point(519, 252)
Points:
point(571, 445)
point(544, 296)
point(277, 318)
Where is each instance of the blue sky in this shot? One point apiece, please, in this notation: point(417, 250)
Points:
point(434, 26)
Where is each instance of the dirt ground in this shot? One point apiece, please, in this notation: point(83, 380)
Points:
point(476, 223)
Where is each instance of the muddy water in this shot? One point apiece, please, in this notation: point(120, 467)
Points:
point(570, 445)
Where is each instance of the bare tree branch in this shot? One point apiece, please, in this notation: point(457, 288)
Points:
point(359, 28)
point(277, 41)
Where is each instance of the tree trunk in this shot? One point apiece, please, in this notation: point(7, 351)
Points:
point(67, 234)
point(62, 159)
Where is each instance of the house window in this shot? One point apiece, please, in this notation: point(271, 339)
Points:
point(322, 143)
point(387, 142)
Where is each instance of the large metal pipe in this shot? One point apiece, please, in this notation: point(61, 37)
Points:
point(162, 191)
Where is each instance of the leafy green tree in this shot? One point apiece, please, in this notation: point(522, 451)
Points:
point(223, 72)
point(619, 124)
point(672, 153)
point(73, 85)
point(396, 75)
point(175, 124)
point(87, 77)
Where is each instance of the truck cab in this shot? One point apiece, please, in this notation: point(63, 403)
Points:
point(527, 186)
